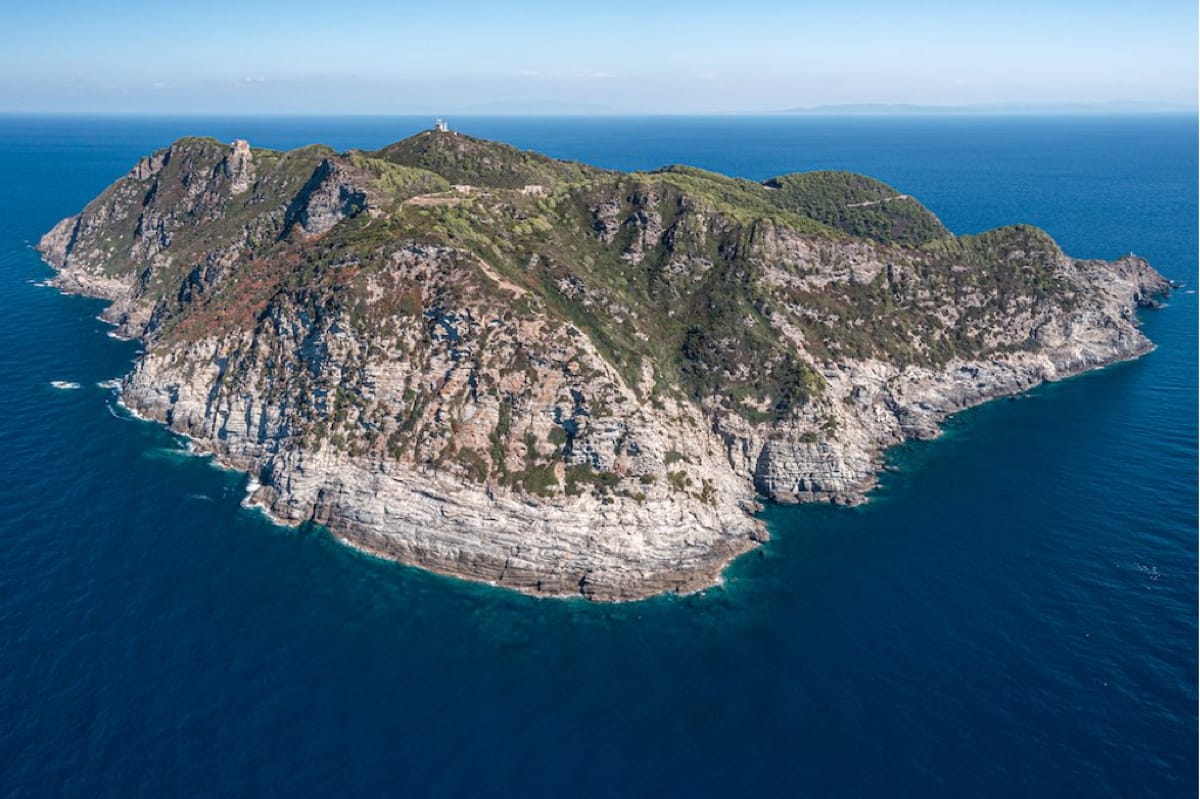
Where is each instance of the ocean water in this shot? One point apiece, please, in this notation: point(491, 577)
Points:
point(1013, 614)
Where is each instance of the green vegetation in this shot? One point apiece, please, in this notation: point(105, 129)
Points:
point(857, 205)
point(499, 438)
point(397, 181)
point(540, 480)
point(740, 200)
point(582, 474)
point(463, 159)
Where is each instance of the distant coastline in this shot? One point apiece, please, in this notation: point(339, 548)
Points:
point(995, 109)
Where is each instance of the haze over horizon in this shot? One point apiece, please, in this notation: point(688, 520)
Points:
point(132, 56)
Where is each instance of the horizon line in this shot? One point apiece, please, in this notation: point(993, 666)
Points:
point(818, 111)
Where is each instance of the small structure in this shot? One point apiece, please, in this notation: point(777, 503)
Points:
point(441, 127)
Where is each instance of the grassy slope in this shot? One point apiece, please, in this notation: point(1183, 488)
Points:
point(466, 160)
point(857, 205)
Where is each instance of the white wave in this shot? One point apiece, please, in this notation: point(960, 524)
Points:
point(124, 417)
point(249, 500)
point(65, 385)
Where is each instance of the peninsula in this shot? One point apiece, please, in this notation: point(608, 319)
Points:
point(556, 378)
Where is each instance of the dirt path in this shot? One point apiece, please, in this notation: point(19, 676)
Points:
point(502, 282)
point(453, 197)
point(877, 202)
point(422, 200)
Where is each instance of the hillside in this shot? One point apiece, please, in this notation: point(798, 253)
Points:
point(562, 379)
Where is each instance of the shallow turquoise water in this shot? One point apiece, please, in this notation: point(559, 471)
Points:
point(1013, 613)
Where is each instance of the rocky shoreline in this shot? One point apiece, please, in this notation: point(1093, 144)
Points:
point(450, 409)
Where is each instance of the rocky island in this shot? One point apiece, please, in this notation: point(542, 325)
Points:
point(557, 378)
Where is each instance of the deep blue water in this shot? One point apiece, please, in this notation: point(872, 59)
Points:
point(1014, 614)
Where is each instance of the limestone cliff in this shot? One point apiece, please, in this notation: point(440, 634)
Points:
point(555, 378)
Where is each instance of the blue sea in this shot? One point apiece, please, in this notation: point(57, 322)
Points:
point(1013, 614)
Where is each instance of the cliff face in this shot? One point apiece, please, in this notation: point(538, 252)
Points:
point(563, 380)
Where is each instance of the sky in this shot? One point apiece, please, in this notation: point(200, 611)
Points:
point(756, 56)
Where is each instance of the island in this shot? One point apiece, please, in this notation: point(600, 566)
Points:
point(552, 377)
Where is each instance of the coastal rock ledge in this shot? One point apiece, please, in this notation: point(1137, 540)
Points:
point(556, 378)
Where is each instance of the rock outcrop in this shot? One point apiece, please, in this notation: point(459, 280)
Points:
point(239, 167)
point(579, 390)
